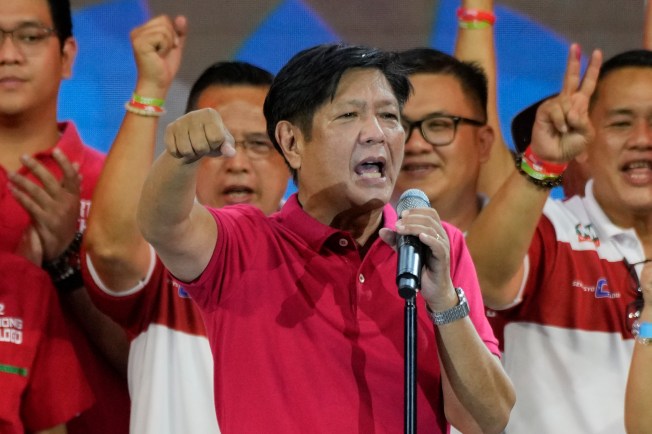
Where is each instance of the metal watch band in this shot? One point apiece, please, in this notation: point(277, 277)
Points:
point(456, 312)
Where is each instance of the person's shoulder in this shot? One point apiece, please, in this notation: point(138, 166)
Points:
point(241, 216)
point(569, 210)
point(93, 155)
point(453, 232)
point(90, 159)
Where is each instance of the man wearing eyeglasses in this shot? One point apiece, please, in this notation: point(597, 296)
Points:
point(170, 363)
point(44, 206)
point(447, 138)
point(454, 148)
point(447, 135)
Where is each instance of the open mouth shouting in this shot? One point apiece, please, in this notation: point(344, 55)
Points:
point(235, 194)
point(371, 168)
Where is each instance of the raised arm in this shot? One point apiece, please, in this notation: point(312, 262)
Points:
point(638, 417)
point(475, 43)
point(507, 224)
point(119, 253)
point(182, 231)
point(647, 26)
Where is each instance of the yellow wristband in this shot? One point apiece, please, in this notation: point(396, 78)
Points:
point(147, 101)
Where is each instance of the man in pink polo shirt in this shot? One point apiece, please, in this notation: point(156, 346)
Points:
point(301, 309)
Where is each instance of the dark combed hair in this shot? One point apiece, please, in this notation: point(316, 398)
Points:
point(470, 75)
point(228, 74)
point(61, 18)
point(627, 59)
point(632, 58)
point(312, 76)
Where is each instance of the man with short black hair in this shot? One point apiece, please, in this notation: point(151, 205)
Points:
point(448, 139)
point(302, 312)
point(44, 204)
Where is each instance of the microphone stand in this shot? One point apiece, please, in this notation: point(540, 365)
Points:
point(411, 252)
point(410, 378)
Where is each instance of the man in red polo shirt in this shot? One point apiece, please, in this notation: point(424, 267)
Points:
point(34, 344)
point(301, 309)
point(40, 196)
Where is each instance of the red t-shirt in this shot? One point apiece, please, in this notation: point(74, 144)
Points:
point(42, 382)
point(307, 336)
point(110, 414)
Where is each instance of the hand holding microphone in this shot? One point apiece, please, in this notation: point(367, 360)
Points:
point(422, 247)
point(411, 251)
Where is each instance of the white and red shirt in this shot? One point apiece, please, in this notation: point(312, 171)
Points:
point(170, 364)
point(566, 345)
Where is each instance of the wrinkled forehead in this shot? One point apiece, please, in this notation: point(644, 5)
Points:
point(363, 87)
point(220, 95)
point(239, 106)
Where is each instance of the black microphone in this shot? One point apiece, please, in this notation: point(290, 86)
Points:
point(411, 251)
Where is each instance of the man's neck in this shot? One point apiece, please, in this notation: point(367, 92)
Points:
point(460, 213)
point(25, 136)
point(641, 221)
point(643, 228)
point(363, 225)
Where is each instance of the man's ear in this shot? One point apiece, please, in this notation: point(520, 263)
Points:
point(484, 142)
point(290, 140)
point(68, 54)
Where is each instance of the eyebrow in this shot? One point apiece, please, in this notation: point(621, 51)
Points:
point(256, 135)
point(360, 104)
point(429, 115)
point(620, 111)
point(30, 22)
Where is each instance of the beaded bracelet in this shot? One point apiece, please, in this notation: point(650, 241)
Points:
point(65, 270)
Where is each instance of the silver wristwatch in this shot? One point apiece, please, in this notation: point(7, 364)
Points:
point(456, 312)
